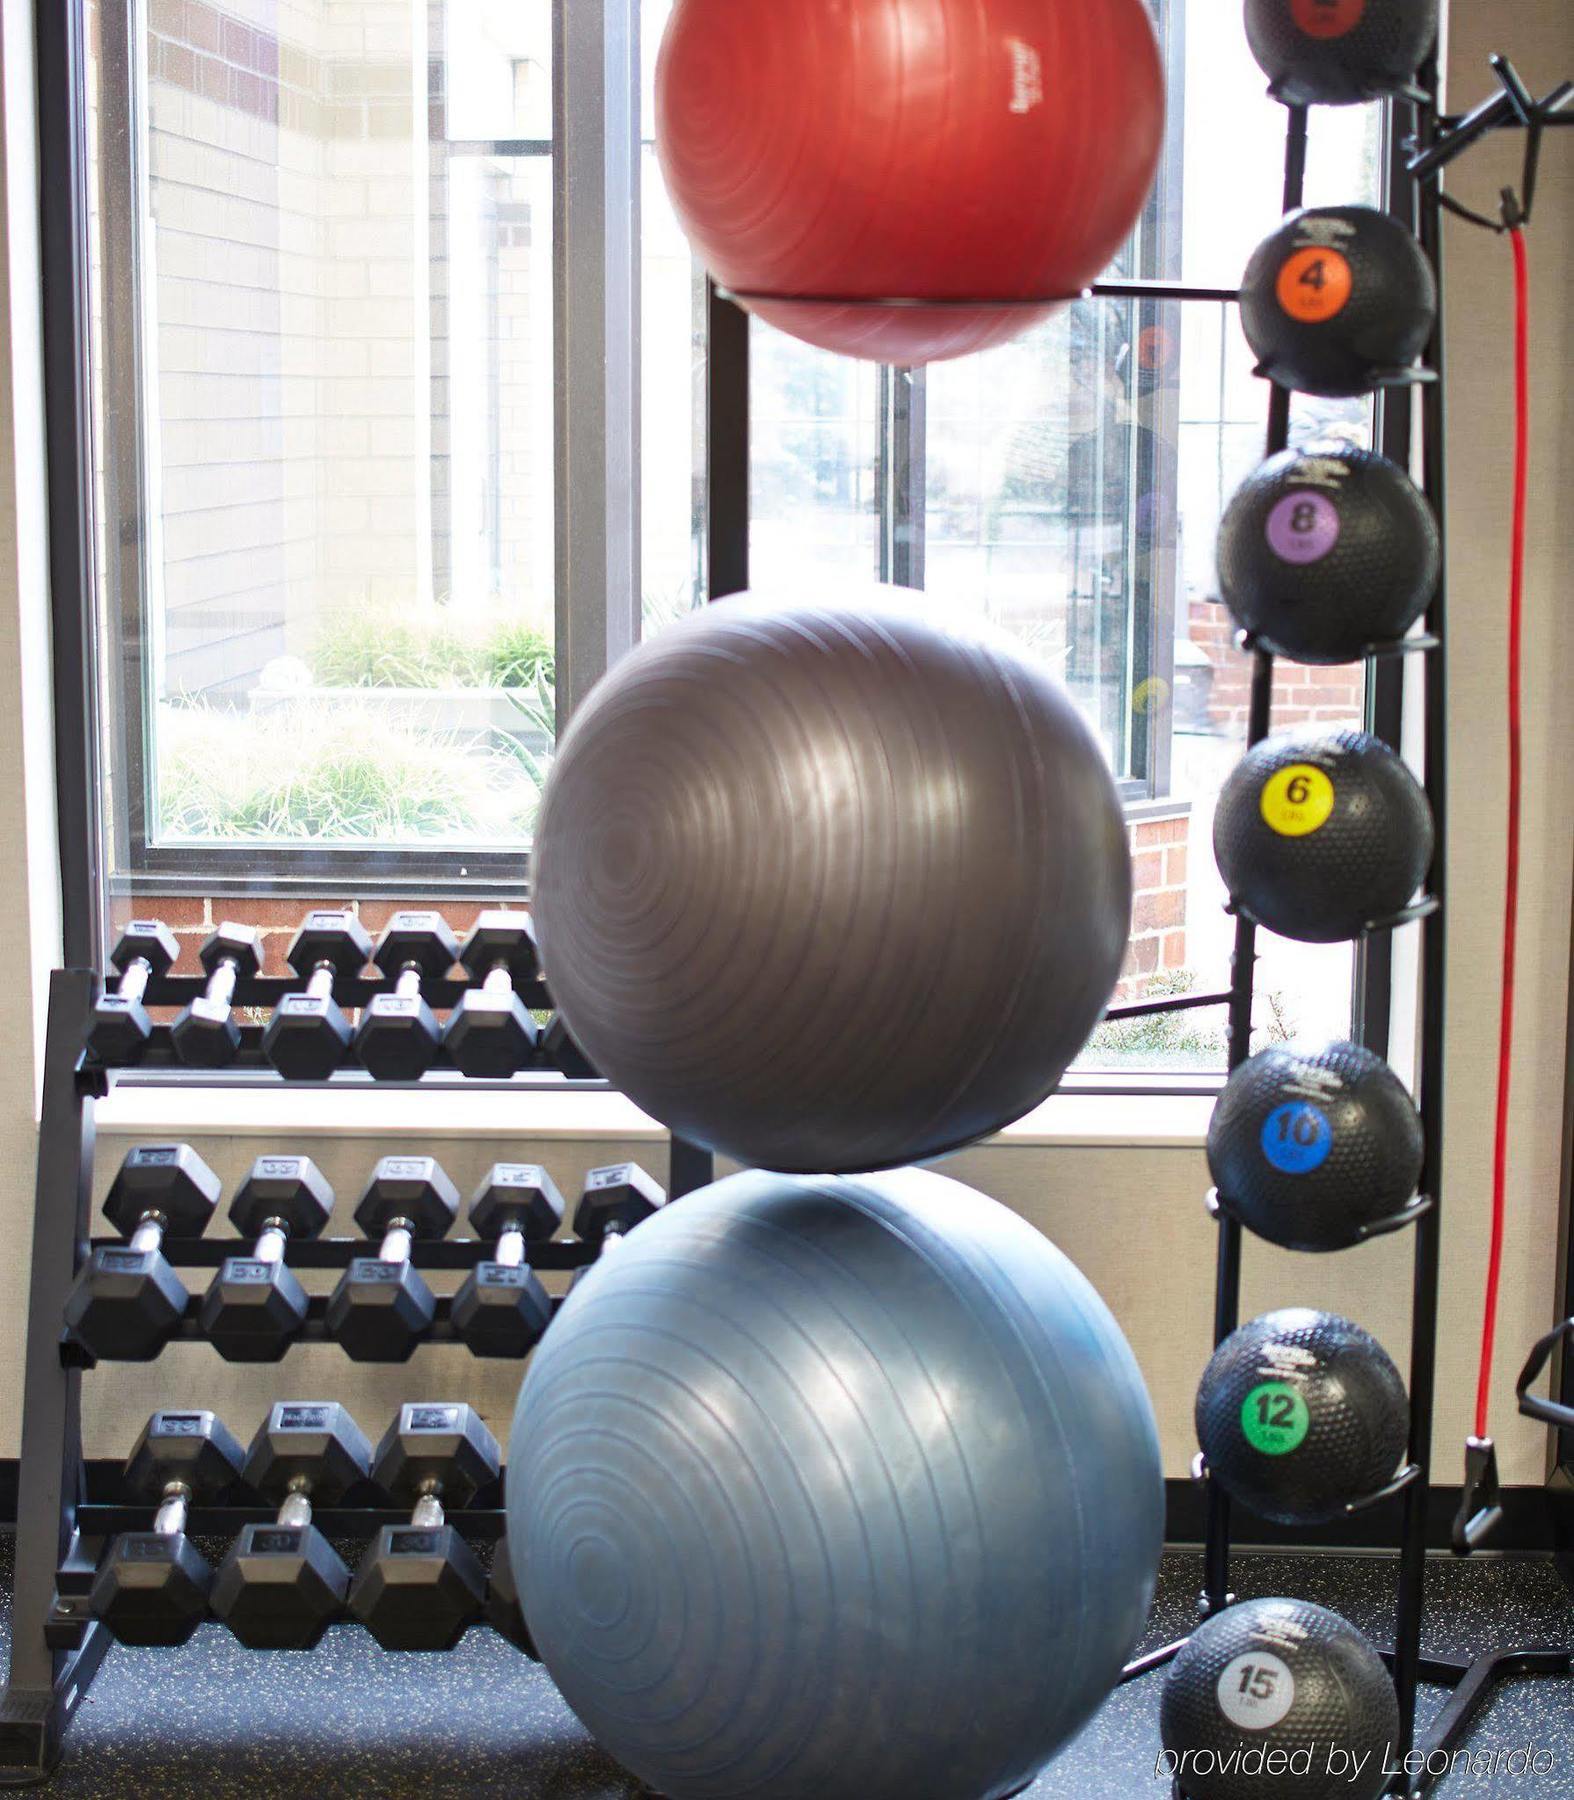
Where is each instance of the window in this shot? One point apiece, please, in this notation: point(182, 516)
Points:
point(329, 386)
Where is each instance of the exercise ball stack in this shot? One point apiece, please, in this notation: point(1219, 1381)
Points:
point(830, 1486)
point(823, 156)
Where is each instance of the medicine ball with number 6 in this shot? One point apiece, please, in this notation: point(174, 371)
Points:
point(1285, 1680)
point(1340, 52)
point(1339, 301)
point(1309, 1148)
point(1326, 551)
point(1320, 835)
point(1299, 1414)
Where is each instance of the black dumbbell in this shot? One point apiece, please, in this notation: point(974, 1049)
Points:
point(381, 1308)
point(420, 1586)
point(502, 1309)
point(308, 1036)
point(504, 1612)
point(559, 1051)
point(282, 1585)
point(127, 1304)
point(491, 1034)
point(613, 1201)
point(256, 1308)
point(205, 1033)
point(152, 1588)
point(399, 1035)
point(121, 1026)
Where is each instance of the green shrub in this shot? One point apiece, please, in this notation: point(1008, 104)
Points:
point(429, 647)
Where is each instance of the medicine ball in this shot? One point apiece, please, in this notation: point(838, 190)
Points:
point(1299, 1414)
point(1339, 301)
point(1326, 551)
point(1340, 52)
point(1308, 1147)
point(1279, 1679)
point(926, 150)
point(831, 885)
point(1319, 835)
point(844, 1488)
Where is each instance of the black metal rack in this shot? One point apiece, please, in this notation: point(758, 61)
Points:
point(63, 1523)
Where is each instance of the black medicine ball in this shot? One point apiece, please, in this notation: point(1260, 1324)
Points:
point(1339, 301)
point(1309, 1147)
point(1278, 1679)
point(1326, 551)
point(1300, 1414)
point(1340, 52)
point(1320, 835)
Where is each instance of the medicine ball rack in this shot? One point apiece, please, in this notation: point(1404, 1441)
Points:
point(1436, 141)
point(67, 1513)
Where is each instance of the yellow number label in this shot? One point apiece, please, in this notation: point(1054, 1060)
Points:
point(1298, 801)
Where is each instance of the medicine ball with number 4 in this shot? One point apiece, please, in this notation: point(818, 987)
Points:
point(1327, 551)
point(1321, 835)
point(1339, 301)
point(1300, 1414)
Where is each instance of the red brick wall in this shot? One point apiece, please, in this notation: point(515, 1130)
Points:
point(1301, 695)
point(1160, 853)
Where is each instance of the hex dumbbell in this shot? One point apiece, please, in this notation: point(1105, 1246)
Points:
point(152, 1587)
point(382, 1308)
point(420, 1586)
point(205, 1033)
point(308, 1036)
point(399, 1035)
point(121, 1027)
point(505, 1611)
point(502, 1309)
point(282, 1585)
point(560, 1051)
point(127, 1304)
point(256, 1307)
point(613, 1201)
point(491, 1035)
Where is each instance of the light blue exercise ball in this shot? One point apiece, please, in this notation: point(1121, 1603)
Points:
point(835, 1487)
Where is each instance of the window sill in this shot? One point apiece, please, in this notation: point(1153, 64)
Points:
point(1067, 1121)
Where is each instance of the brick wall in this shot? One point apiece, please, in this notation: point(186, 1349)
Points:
point(1160, 856)
point(1302, 695)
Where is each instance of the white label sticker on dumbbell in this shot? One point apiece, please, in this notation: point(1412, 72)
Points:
point(1256, 1692)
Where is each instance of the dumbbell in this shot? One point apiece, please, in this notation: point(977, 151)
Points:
point(613, 1201)
point(420, 1586)
point(121, 1026)
point(502, 1309)
point(308, 1036)
point(152, 1588)
point(399, 1035)
point(381, 1308)
point(559, 1051)
point(256, 1308)
point(127, 1304)
point(491, 1034)
point(282, 1585)
point(504, 1613)
point(205, 1033)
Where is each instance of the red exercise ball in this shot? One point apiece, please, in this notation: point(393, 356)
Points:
point(922, 150)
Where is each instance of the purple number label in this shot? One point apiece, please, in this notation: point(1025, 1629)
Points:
point(1303, 527)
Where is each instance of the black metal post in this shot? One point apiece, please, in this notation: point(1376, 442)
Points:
point(727, 445)
point(45, 1685)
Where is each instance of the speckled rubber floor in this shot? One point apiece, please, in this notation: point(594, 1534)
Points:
point(352, 1722)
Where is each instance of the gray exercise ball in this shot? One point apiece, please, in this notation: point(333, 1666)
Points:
point(837, 885)
point(835, 1487)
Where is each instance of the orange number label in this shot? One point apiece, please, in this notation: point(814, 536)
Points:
point(1315, 285)
point(1327, 18)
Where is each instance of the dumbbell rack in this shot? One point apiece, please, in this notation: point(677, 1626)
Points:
point(1435, 141)
point(63, 1525)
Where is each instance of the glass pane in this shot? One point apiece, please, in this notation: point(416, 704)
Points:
point(326, 356)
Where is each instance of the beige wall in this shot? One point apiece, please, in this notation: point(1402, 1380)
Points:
point(1131, 1217)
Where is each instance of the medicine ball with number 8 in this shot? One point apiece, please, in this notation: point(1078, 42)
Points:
point(1326, 551)
point(1321, 835)
point(1339, 301)
point(1308, 1148)
point(1301, 1413)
